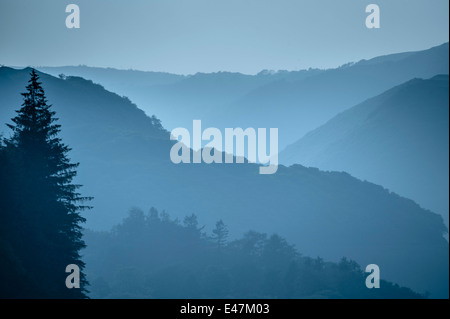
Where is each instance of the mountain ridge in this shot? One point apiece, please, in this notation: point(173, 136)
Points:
point(398, 139)
point(293, 101)
point(125, 162)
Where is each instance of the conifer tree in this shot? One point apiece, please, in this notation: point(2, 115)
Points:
point(44, 206)
point(220, 234)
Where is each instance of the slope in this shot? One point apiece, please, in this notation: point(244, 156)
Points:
point(398, 139)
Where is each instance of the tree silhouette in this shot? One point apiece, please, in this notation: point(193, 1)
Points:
point(191, 224)
point(220, 234)
point(43, 206)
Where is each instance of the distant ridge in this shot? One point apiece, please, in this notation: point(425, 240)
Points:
point(399, 139)
point(294, 101)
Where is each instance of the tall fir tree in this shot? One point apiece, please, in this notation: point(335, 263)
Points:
point(42, 210)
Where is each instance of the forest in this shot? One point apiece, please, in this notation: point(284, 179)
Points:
point(151, 255)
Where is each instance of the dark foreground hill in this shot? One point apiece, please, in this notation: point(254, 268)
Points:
point(125, 161)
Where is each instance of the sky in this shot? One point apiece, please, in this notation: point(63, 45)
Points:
point(190, 36)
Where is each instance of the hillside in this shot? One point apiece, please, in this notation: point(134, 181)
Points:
point(399, 139)
point(296, 102)
point(125, 161)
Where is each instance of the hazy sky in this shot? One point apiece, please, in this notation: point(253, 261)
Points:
point(188, 36)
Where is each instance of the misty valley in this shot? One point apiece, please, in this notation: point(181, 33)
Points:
point(357, 175)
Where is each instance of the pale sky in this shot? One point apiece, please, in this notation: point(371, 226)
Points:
point(189, 36)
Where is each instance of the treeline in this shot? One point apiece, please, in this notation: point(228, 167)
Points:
point(150, 255)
